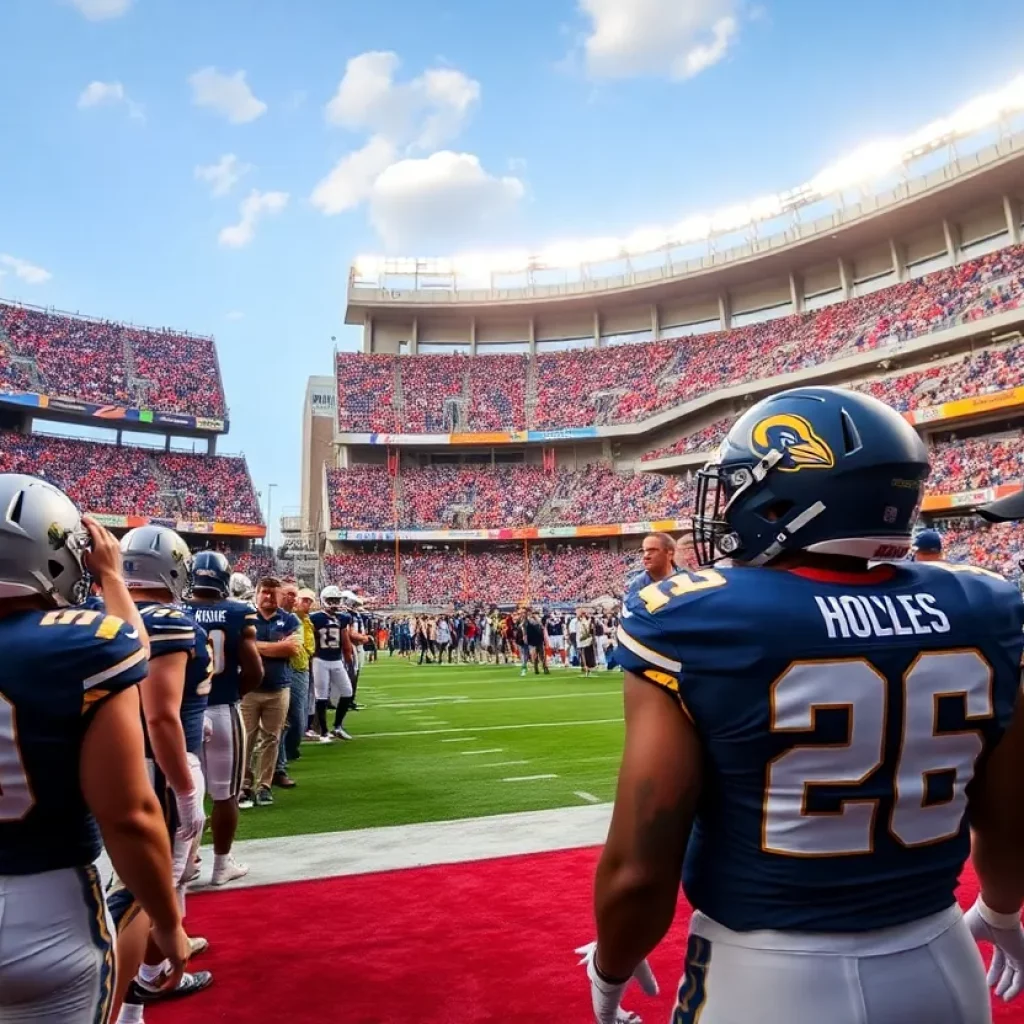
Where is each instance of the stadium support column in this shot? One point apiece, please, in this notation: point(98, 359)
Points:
point(845, 282)
point(1011, 210)
point(597, 329)
point(414, 337)
point(796, 292)
point(533, 337)
point(472, 335)
point(899, 264)
point(952, 235)
point(655, 322)
point(724, 311)
point(368, 335)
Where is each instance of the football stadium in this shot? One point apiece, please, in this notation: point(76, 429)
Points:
point(485, 469)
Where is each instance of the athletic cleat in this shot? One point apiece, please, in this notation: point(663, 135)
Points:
point(245, 800)
point(311, 735)
point(229, 872)
point(198, 945)
point(326, 739)
point(191, 873)
point(264, 798)
point(190, 984)
point(341, 734)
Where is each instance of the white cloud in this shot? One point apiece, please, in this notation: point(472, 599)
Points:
point(100, 10)
point(25, 271)
point(229, 95)
point(353, 176)
point(679, 38)
point(446, 199)
point(99, 94)
point(234, 314)
point(254, 207)
point(425, 112)
point(224, 175)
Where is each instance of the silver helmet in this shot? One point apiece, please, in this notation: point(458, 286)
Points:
point(42, 541)
point(240, 587)
point(155, 556)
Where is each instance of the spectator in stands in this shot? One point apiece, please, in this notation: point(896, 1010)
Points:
point(265, 710)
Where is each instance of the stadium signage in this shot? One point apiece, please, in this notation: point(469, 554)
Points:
point(92, 410)
point(323, 401)
point(520, 533)
point(471, 437)
point(182, 526)
point(962, 407)
point(967, 499)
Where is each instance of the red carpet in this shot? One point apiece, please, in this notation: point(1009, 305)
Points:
point(487, 942)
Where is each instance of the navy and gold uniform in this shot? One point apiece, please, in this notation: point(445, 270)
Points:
point(332, 679)
point(58, 668)
point(223, 753)
point(840, 717)
point(328, 628)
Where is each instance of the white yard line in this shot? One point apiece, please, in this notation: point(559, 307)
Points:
point(460, 739)
point(499, 764)
point(528, 778)
point(473, 753)
point(492, 728)
point(588, 797)
point(454, 700)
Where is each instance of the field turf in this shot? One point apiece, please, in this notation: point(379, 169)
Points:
point(437, 742)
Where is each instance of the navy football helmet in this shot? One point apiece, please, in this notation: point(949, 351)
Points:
point(211, 573)
point(817, 469)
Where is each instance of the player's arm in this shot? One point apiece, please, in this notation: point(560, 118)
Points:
point(116, 788)
point(997, 820)
point(284, 648)
point(103, 560)
point(249, 661)
point(346, 643)
point(638, 876)
point(162, 691)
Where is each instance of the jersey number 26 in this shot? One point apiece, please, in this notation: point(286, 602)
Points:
point(857, 687)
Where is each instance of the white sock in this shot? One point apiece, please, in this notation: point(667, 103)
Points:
point(131, 1013)
point(150, 974)
point(221, 860)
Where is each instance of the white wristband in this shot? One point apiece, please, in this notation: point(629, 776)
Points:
point(994, 918)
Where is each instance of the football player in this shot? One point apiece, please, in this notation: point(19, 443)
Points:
point(231, 627)
point(331, 681)
point(71, 756)
point(808, 734)
point(157, 566)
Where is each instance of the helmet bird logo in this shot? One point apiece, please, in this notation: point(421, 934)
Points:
point(795, 438)
point(57, 536)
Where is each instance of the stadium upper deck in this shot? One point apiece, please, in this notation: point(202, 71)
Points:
point(72, 368)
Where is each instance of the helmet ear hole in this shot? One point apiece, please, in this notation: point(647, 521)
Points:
point(851, 435)
point(55, 568)
point(776, 511)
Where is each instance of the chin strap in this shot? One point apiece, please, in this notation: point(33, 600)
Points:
point(787, 533)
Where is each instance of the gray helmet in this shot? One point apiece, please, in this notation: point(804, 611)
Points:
point(42, 541)
point(155, 556)
point(240, 587)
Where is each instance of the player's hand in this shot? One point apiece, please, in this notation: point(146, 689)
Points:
point(606, 996)
point(1006, 972)
point(207, 730)
point(103, 559)
point(295, 642)
point(191, 815)
point(174, 944)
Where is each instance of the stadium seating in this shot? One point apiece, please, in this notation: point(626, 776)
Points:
point(967, 465)
point(626, 383)
point(137, 481)
point(109, 363)
point(999, 547)
point(373, 571)
point(484, 497)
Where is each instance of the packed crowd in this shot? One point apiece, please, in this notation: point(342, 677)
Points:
point(486, 497)
point(498, 574)
point(973, 463)
point(90, 360)
point(623, 384)
point(137, 481)
point(999, 547)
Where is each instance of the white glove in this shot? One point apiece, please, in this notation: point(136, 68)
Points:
point(1006, 972)
point(606, 996)
point(191, 816)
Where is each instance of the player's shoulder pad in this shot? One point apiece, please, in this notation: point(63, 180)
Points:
point(998, 601)
point(101, 650)
point(684, 588)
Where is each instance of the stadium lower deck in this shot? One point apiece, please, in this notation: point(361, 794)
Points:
point(436, 869)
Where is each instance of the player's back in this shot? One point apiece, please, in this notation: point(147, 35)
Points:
point(57, 668)
point(841, 717)
point(225, 621)
point(327, 632)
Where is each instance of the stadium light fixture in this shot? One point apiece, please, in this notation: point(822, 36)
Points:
point(866, 164)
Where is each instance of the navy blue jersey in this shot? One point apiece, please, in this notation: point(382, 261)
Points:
point(327, 632)
point(225, 622)
point(57, 668)
point(171, 631)
point(841, 717)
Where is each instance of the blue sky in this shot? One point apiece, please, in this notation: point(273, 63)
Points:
point(454, 124)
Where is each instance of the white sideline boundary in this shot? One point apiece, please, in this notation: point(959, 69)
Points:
point(364, 851)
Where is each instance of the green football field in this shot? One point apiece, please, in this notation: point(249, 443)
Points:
point(437, 742)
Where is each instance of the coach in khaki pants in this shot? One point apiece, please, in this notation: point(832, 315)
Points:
point(265, 710)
